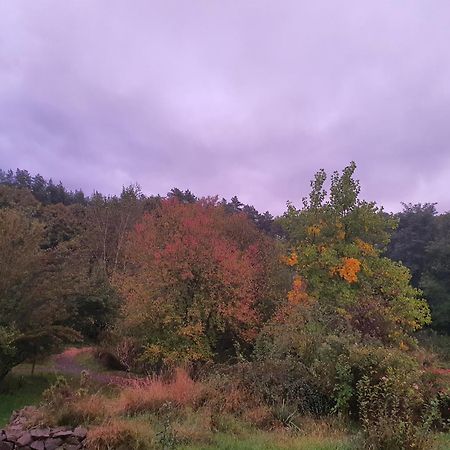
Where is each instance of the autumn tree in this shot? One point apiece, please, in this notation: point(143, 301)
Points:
point(196, 283)
point(337, 242)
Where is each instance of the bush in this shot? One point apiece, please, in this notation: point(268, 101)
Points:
point(393, 413)
point(283, 382)
point(8, 352)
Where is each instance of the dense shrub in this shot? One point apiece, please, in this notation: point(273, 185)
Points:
point(281, 384)
point(393, 413)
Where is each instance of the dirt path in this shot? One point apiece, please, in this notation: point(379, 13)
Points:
point(66, 363)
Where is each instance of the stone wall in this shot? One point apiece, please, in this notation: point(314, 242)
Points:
point(18, 435)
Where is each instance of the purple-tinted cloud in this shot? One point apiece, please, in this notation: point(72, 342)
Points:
point(238, 97)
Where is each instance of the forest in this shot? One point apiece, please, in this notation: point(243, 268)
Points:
point(327, 327)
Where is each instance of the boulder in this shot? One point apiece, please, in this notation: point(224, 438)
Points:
point(38, 445)
point(25, 439)
point(53, 443)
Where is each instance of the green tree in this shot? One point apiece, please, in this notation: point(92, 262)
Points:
point(32, 313)
point(336, 243)
point(416, 230)
point(435, 279)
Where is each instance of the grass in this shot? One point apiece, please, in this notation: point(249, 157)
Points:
point(266, 441)
point(87, 360)
point(18, 391)
point(44, 367)
point(443, 441)
point(173, 413)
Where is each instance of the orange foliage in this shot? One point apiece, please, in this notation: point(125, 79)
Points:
point(298, 293)
point(152, 394)
point(365, 247)
point(290, 260)
point(349, 269)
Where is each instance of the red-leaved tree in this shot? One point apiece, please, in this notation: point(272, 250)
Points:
point(197, 285)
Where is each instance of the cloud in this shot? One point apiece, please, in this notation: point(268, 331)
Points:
point(240, 97)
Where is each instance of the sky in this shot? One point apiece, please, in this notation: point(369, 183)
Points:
point(236, 97)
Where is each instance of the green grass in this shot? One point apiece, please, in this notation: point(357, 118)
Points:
point(443, 442)
point(269, 441)
point(88, 361)
point(42, 368)
point(17, 391)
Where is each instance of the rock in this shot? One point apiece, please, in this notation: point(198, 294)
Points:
point(63, 434)
point(40, 433)
point(12, 435)
point(52, 443)
point(58, 429)
point(6, 445)
point(25, 439)
point(38, 445)
point(80, 432)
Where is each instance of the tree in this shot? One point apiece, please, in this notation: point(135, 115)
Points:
point(183, 197)
point(32, 312)
point(39, 188)
point(416, 230)
point(336, 253)
point(435, 279)
point(422, 242)
point(110, 219)
point(193, 283)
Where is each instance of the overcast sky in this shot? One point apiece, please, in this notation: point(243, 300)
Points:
point(235, 97)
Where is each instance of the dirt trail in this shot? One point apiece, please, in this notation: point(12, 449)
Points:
point(66, 363)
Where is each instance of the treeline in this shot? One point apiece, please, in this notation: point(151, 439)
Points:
point(422, 243)
point(307, 309)
point(45, 191)
point(49, 193)
point(60, 249)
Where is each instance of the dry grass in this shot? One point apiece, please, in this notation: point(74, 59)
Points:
point(88, 409)
point(151, 395)
point(120, 434)
point(183, 412)
point(259, 416)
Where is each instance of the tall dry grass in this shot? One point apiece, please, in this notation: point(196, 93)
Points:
point(147, 396)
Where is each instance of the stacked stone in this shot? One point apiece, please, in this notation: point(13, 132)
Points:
point(16, 436)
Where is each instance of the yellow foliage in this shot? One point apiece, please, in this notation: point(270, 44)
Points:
point(291, 260)
point(191, 331)
point(297, 294)
point(349, 269)
point(340, 234)
point(314, 230)
point(365, 247)
point(344, 313)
